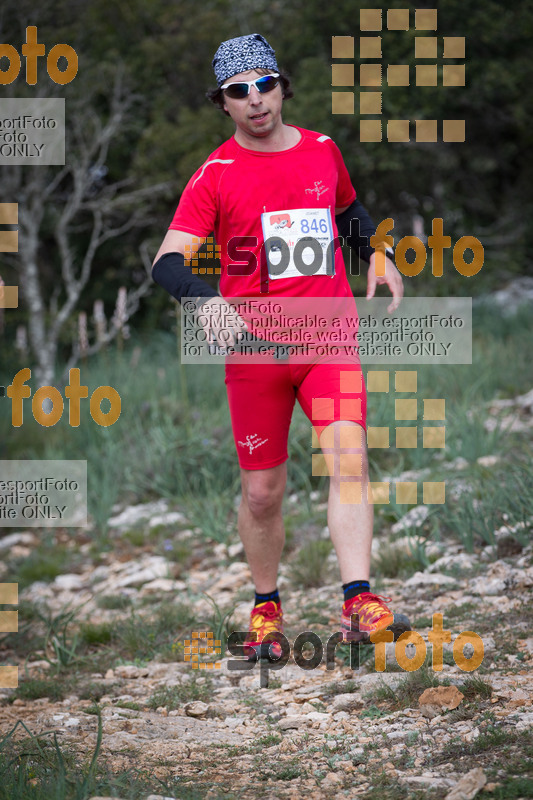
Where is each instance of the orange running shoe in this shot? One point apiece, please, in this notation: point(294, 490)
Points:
point(265, 618)
point(366, 613)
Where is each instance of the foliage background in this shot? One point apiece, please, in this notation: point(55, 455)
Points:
point(163, 51)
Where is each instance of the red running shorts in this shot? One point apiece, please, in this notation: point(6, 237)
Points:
point(261, 400)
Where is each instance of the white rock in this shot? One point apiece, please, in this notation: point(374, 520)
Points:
point(456, 463)
point(347, 701)
point(220, 550)
point(318, 716)
point(68, 582)
point(435, 781)
point(518, 292)
point(468, 786)
point(106, 797)
point(291, 722)
point(235, 550)
point(138, 572)
point(331, 780)
point(133, 514)
point(196, 708)
point(357, 754)
point(413, 519)
point(462, 560)
point(162, 585)
point(484, 587)
point(172, 518)
point(525, 721)
point(427, 579)
point(339, 715)
point(395, 735)
point(39, 665)
point(7, 542)
point(488, 461)
point(526, 401)
point(238, 567)
point(234, 722)
point(130, 671)
point(159, 797)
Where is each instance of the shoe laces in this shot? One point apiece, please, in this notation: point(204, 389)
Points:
point(266, 615)
point(371, 602)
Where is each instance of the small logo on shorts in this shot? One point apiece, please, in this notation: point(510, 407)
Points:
point(253, 441)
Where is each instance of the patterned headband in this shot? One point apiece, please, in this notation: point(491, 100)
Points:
point(241, 54)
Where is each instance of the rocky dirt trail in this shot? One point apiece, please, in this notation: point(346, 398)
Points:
point(337, 732)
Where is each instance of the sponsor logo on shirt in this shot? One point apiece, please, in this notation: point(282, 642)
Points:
point(317, 189)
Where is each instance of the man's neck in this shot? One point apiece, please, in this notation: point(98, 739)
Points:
point(284, 138)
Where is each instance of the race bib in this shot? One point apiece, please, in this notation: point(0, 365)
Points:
point(298, 242)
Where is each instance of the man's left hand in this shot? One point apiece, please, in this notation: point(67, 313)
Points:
point(392, 278)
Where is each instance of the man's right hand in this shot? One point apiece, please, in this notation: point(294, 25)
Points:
point(221, 322)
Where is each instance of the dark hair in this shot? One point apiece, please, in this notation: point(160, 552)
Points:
point(217, 95)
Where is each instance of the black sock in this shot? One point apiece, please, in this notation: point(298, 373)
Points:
point(264, 598)
point(354, 588)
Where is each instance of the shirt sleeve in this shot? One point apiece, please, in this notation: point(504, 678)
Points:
point(346, 193)
point(197, 209)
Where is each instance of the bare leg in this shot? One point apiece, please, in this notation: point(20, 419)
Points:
point(260, 523)
point(350, 515)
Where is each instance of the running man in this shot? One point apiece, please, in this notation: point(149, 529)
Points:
point(272, 172)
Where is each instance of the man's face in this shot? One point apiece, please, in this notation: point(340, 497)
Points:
point(256, 114)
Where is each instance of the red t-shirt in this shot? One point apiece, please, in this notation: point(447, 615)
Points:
point(235, 186)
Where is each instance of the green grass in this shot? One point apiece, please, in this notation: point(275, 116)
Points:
point(148, 635)
point(395, 561)
point(407, 692)
point(286, 770)
point(92, 691)
point(309, 567)
point(514, 789)
point(44, 563)
point(96, 633)
point(503, 496)
point(174, 438)
point(372, 712)
point(36, 767)
point(493, 740)
point(112, 602)
point(340, 687)
point(33, 688)
point(475, 687)
point(173, 697)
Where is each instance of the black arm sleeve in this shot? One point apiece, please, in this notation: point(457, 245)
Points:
point(170, 272)
point(356, 226)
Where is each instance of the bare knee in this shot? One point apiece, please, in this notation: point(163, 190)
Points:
point(344, 449)
point(262, 491)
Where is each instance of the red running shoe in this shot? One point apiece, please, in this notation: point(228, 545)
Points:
point(265, 618)
point(366, 613)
